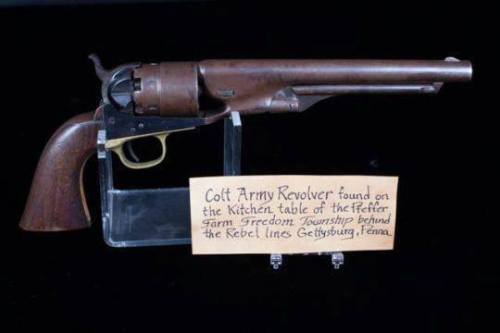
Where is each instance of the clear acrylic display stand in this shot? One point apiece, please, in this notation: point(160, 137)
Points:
point(148, 217)
point(161, 216)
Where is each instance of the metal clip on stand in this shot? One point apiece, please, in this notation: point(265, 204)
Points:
point(337, 258)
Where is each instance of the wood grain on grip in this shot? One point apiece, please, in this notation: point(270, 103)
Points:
point(57, 201)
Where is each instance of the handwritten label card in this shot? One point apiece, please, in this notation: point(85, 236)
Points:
point(292, 214)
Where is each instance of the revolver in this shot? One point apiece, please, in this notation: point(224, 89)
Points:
point(140, 100)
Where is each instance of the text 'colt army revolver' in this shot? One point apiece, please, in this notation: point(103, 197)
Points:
point(140, 100)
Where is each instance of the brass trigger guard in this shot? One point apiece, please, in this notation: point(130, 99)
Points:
point(116, 145)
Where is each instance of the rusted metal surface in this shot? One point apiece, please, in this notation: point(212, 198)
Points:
point(167, 89)
point(257, 86)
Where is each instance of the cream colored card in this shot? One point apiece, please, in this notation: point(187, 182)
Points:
point(292, 214)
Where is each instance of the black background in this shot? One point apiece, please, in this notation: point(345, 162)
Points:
point(441, 275)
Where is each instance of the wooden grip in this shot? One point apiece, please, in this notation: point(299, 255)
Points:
point(57, 200)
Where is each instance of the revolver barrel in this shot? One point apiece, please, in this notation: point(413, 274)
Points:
point(341, 71)
point(216, 87)
point(254, 86)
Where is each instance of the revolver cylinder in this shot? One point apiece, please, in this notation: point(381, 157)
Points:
point(167, 89)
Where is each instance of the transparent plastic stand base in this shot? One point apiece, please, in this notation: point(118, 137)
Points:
point(153, 217)
point(149, 217)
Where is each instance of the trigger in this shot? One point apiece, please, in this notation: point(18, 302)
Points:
point(131, 152)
